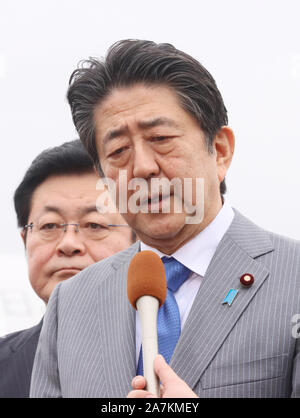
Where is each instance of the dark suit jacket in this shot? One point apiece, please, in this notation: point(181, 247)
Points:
point(17, 351)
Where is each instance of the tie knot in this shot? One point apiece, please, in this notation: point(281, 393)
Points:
point(176, 273)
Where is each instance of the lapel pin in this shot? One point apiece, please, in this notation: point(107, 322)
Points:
point(247, 280)
point(230, 296)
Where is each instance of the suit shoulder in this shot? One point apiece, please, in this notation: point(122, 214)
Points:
point(284, 243)
point(284, 260)
point(17, 339)
point(257, 241)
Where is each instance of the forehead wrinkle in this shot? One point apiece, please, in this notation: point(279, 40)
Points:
point(81, 211)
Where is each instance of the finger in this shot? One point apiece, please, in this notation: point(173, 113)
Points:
point(138, 382)
point(164, 371)
point(140, 394)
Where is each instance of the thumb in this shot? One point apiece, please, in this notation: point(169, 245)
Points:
point(164, 371)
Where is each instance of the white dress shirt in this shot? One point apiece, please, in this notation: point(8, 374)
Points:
point(196, 254)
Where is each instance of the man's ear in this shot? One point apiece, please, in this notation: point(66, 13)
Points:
point(224, 148)
point(23, 236)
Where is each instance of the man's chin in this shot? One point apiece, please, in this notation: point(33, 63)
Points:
point(159, 226)
point(67, 273)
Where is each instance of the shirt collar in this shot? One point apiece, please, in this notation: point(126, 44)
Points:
point(197, 253)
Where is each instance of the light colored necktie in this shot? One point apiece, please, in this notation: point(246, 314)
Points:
point(168, 319)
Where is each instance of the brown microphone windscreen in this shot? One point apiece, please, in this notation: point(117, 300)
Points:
point(146, 276)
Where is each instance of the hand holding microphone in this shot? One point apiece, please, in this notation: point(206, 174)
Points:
point(147, 289)
point(172, 385)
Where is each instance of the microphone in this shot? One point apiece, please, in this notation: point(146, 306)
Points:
point(147, 290)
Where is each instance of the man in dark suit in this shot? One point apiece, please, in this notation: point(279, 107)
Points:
point(63, 233)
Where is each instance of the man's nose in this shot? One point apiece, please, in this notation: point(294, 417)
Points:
point(144, 163)
point(71, 243)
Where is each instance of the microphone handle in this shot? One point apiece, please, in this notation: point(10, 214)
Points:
point(147, 307)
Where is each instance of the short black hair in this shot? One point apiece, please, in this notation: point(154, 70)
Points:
point(133, 61)
point(68, 158)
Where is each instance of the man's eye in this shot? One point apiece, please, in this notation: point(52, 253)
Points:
point(159, 138)
point(95, 226)
point(162, 138)
point(117, 152)
point(49, 226)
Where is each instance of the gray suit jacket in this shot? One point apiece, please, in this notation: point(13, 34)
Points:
point(87, 344)
point(17, 351)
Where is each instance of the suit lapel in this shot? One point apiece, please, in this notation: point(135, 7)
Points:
point(210, 321)
point(117, 327)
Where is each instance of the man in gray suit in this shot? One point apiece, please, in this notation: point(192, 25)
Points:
point(59, 187)
point(151, 112)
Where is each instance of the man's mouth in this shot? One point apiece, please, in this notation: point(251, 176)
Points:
point(68, 270)
point(155, 203)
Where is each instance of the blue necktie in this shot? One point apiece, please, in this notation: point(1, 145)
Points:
point(168, 319)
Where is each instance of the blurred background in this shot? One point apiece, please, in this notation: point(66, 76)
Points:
point(251, 48)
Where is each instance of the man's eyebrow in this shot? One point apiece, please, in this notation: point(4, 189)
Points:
point(115, 133)
point(52, 209)
point(87, 210)
point(160, 121)
point(147, 124)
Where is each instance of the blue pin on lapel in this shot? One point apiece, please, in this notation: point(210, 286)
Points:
point(230, 296)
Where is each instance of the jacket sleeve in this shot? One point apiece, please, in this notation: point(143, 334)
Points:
point(296, 371)
point(45, 381)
